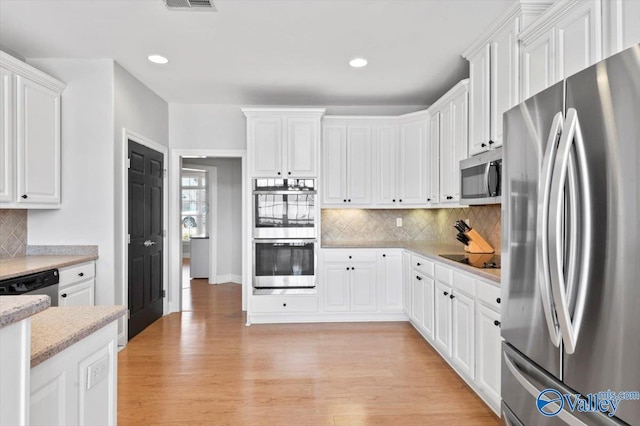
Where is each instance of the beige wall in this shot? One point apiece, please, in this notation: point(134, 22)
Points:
point(418, 224)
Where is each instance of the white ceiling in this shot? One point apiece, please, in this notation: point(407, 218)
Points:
point(260, 52)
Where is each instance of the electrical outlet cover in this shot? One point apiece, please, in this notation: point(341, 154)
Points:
point(399, 222)
point(97, 371)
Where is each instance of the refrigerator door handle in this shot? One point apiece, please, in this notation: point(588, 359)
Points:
point(542, 243)
point(564, 165)
point(525, 380)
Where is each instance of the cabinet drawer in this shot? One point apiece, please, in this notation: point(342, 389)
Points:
point(464, 283)
point(283, 304)
point(444, 274)
point(489, 295)
point(76, 273)
point(355, 255)
point(422, 265)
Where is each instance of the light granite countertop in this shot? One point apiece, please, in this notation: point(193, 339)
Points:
point(17, 308)
point(57, 328)
point(430, 249)
point(30, 264)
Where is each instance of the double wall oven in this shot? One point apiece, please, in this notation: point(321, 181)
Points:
point(284, 236)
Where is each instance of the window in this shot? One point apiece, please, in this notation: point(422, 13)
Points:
point(195, 204)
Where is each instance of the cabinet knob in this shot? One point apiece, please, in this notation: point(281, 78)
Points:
point(289, 173)
point(418, 277)
point(428, 199)
point(350, 257)
point(284, 304)
point(394, 200)
point(491, 142)
point(344, 201)
point(449, 197)
point(483, 144)
point(419, 264)
point(496, 323)
point(63, 295)
point(451, 296)
point(81, 274)
point(349, 200)
point(384, 255)
point(400, 200)
point(25, 196)
point(498, 300)
point(347, 268)
point(446, 293)
point(279, 173)
point(352, 268)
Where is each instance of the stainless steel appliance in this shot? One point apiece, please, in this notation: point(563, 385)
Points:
point(284, 266)
point(481, 178)
point(571, 318)
point(45, 282)
point(284, 208)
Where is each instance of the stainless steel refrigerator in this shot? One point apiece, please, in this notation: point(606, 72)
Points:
point(571, 248)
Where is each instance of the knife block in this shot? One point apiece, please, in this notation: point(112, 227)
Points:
point(477, 244)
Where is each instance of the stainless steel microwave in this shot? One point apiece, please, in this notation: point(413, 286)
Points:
point(481, 178)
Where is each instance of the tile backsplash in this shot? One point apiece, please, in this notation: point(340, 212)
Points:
point(13, 233)
point(418, 224)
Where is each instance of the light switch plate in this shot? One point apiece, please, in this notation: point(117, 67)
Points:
point(97, 371)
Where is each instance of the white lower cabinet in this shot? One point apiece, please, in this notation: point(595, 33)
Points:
point(390, 274)
point(78, 385)
point(443, 304)
point(463, 333)
point(363, 294)
point(77, 285)
point(406, 283)
point(488, 354)
point(428, 306)
point(417, 300)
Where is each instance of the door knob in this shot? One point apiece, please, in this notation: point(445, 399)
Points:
point(149, 243)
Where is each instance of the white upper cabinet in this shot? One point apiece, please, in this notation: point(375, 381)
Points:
point(453, 109)
point(433, 160)
point(29, 136)
point(283, 142)
point(494, 71)
point(412, 166)
point(563, 40)
point(385, 192)
point(622, 25)
point(347, 155)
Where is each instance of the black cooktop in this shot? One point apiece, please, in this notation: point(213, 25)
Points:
point(478, 260)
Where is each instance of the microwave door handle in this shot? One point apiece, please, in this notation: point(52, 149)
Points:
point(487, 170)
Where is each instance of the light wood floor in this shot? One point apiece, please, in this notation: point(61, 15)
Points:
point(206, 367)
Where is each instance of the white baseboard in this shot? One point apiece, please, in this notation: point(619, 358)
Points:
point(229, 278)
point(122, 341)
point(325, 317)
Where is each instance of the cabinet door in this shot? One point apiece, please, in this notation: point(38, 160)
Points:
point(387, 165)
point(334, 165)
point(6, 137)
point(433, 160)
point(335, 279)
point(428, 305)
point(406, 282)
point(579, 38)
point(391, 281)
point(417, 299)
point(443, 317)
point(81, 294)
point(479, 102)
point(488, 354)
point(38, 143)
point(412, 171)
point(446, 155)
point(460, 142)
point(364, 287)
point(302, 147)
point(265, 136)
point(538, 64)
point(359, 165)
point(622, 24)
point(504, 78)
point(464, 334)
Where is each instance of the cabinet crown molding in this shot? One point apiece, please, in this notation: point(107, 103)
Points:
point(256, 112)
point(17, 66)
point(461, 87)
point(548, 19)
point(520, 8)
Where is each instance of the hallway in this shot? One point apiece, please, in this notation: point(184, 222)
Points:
point(204, 366)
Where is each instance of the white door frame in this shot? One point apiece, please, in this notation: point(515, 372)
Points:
point(212, 216)
point(122, 244)
point(175, 241)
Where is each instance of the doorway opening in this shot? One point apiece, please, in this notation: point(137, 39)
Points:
point(208, 225)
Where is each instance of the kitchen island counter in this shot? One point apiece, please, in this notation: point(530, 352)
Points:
point(430, 249)
point(17, 308)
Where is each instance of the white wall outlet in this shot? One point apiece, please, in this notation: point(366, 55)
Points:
point(399, 222)
point(97, 371)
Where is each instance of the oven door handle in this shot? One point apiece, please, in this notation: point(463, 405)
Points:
point(285, 241)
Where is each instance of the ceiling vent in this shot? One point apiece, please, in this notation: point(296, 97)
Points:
point(190, 5)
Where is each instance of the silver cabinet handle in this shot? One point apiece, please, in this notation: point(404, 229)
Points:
point(149, 243)
point(542, 243)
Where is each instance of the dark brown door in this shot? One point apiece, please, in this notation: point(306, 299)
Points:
point(145, 229)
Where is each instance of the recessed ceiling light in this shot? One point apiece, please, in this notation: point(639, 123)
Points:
point(358, 62)
point(157, 59)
